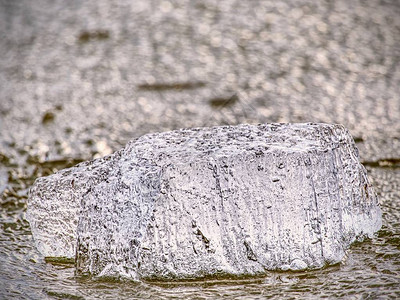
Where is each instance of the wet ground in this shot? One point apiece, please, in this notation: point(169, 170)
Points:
point(80, 79)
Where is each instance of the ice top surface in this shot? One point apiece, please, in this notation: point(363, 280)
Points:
point(230, 140)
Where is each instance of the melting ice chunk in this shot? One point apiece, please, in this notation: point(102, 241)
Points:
point(236, 200)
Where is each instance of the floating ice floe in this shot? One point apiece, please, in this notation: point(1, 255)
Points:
point(232, 200)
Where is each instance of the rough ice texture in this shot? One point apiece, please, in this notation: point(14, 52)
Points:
point(235, 200)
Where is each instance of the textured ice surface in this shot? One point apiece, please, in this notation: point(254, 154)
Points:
point(236, 200)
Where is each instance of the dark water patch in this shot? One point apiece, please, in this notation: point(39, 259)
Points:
point(277, 75)
point(218, 278)
point(221, 102)
point(89, 142)
point(99, 34)
point(207, 282)
point(12, 203)
point(171, 86)
point(50, 167)
point(384, 232)
point(358, 139)
point(392, 163)
point(60, 261)
point(62, 295)
point(48, 117)
point(54, 164)
point(4, 159)
point(222, 278)
point(306, 66)
point(15, 225)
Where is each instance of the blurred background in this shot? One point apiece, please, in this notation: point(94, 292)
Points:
point(79, 79)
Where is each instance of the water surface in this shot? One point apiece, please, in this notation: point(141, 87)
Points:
point(79, 79)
